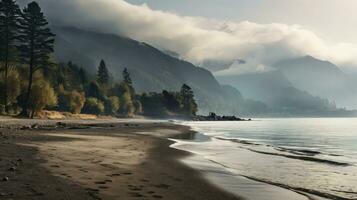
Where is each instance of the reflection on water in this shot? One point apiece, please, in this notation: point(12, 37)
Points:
point(316, 155)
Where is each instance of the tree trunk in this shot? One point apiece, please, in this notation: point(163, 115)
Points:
point(24, 112)
point(25, 107)
point(33, 112)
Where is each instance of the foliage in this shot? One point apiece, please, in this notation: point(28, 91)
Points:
point(172, 101)
point(126, 77)
point(13, 86)
point(103, 74)
point(9, 18)
point(188, 100)
point(33, 81)
point(70, 75)
point(153, 105)
point(71, 101)
point(138, 107)
point(35, 43)
point(112, 105)
point(93, 106)
point(42, 95)
point(126, 107)
point(93, 90)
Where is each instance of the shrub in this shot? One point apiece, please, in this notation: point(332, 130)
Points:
point(93, 106)
point(76, 101)
point(42, 95)
point(112, 105)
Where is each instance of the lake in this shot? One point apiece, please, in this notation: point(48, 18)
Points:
point(316, 156)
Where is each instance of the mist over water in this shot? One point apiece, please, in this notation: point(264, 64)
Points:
point(315, 155)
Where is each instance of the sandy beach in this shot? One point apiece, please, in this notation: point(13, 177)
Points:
point(121, 160)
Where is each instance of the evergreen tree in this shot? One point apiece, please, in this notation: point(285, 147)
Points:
point(93, 90)
point(9, 18)
point(171, 101)
point(188, 100)
point(103, 75)
point(36, 43)
point(127, 78)
point(83, 77)
point(127, 81)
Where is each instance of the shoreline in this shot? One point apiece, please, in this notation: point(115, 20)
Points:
point(124, 159)
point(223, 173)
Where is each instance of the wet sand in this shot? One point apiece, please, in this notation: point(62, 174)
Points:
point(122, 160)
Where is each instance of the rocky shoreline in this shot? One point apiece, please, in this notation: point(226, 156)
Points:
point(215, 117)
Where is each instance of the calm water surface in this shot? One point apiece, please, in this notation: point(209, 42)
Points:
point(317, 155)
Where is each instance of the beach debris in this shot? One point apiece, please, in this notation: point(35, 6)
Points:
point(61, 124)
point(27, 127)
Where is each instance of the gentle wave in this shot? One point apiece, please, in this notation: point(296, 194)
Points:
point(300, 157)
point(314, 156)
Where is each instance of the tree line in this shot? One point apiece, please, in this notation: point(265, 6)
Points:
point(32, 81)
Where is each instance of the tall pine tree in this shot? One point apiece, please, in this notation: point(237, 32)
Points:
point(127, 80)
point(36, 44)
point(9, 18)
point(103, 74)
point(126, 77)
point(188, 100)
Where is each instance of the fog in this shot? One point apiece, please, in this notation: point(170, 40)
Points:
point(197, 38)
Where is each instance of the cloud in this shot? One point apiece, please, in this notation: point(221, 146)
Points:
point(196, 38)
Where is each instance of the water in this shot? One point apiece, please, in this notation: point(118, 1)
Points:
point(317, 156)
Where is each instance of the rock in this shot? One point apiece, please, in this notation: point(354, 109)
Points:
point(60, 124)
point(5, 179)
point(35, 126)
point(19, 160)
point(12, 169)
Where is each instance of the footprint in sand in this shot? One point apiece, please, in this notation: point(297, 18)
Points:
point(55, 166)
point(157, 196)
point(163, 186)
point(100, 182)
point(135, 194)
point(114, 175)
point(92, 190)
point(134, 188)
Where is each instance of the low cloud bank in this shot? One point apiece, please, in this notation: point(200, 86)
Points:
point(195, 38)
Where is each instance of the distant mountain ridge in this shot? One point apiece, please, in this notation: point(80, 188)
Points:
point(320, 78)
point(151, 69)
point(280, 95)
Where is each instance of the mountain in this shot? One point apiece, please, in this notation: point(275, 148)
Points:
point(151, 69)
point(320, 78)
point(280, 95)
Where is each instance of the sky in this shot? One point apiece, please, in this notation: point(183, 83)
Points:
point(260, 32)
point(335, 20)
